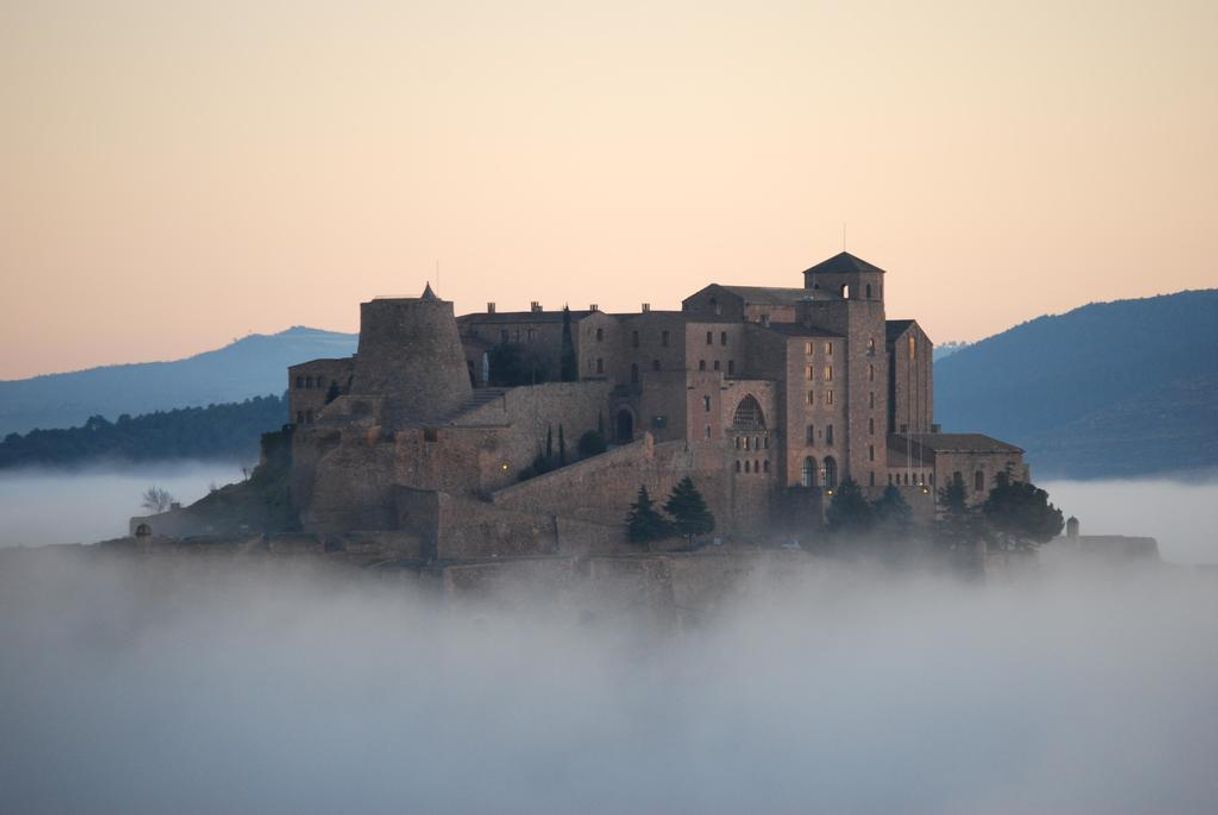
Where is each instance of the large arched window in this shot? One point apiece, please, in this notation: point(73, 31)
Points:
point(830, 472)
point(808, 479)
point(748, 415)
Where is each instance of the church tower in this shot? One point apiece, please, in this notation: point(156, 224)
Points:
point(845, 277)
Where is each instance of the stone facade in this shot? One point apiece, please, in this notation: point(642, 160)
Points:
point(766, 397)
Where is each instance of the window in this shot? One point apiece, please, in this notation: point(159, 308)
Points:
point(600, 335)
point(828, 397)
point(655, 365)
point(869, 297)
point(748, 415)
point(808, 373)
point(634, 339)
point(600, 365)
point(828, 434)
point(870, 373)
point(701, 365)
point(808, 477)
point(829, 348)
point(810, 438)
point(871, 399)
point(737, 465)
point(871, 347)
point(300, 417)
point(634, 373)
point(830, 472)
point(979, 481)
point(809, 348)
point(299, 382)
point(765, 465)
point(308, 381)
point(723, 338)
point(503, 335)
point(828, 373)
point(664, 338)
point(871, 454)
point(748, 466)
point(708, 431)
point(737, 442)
point(811, 397)
point(706, 404)
point(430, 434)
point(913, 347)
point(871, 425)
point(748, 440)
point(716, 365)
point(710, 337)
point(870, 476)
point(731, 367)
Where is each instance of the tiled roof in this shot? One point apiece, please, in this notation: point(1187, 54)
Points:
point(770, 295)
point(841, 263)
point(958, 442)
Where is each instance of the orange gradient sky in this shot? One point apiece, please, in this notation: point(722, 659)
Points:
point(177, 174)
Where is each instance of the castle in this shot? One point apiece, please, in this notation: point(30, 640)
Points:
point(768, 398)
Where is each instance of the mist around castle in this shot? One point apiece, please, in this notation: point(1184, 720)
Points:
point(715, 559)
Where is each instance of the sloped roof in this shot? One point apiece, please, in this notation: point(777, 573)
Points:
point(841, 263)
point(895, 328)
point(520, 317)
point(959, 442)
point(770, 295)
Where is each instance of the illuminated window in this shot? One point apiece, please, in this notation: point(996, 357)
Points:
point(808, 373)
point(828, 373)
point(828, 397)
point(913, 347)
point(809, 348)
point(829, 348)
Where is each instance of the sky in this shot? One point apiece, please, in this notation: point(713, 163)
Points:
point(176, 175)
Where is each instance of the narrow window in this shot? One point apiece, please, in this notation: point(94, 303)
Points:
point(600, 365)
point(532, 334)
point(871, 399)
point(828, 373)
point(913, 347)
point(871, 425)
point(634, 373)
point(737, 465)
point(871, 453)
point(766, 465)
point(634, 338)
point(870, 373)
point(979, 481)
point(747, 441)
point(871, 347)
point(810, 439)
point(828, 397)
point(708, 431)
point(706, 403)
point(731, 367)
point(723, 338)
point(716, 365)
point(748, 466)
point(871, 476)
point(308, 382)
point(600, 334)
point(811, 397)
point(828, 434)
point(829, 348)
point(655, 365)
point(299, 382)
point(808, 373)
point(710, 337)
point(809, 348)
point(664, 338)
point(701, 365)
point(869, 297)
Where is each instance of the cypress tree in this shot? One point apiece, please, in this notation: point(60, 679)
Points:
point(688, 510)
point(569, 364)
point(1020, 514)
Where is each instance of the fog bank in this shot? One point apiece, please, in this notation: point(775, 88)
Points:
point(1181, 514)
point(42, 506)
point(153, 687)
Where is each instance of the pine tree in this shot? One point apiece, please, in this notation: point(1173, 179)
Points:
point(892, 514)
point(688, 510)
point(849, 513)
point(644, 524)
point(1020, 514)
point(957, 525)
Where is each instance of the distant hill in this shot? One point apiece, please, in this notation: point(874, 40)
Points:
point(229, 432)
point(946, 349)
point(253, 366)
point(1119, 389)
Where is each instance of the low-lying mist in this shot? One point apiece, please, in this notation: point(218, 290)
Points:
point(41, 506)
point(154, 686)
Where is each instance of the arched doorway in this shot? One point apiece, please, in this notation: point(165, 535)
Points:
point(830, 472)
point(625, 426)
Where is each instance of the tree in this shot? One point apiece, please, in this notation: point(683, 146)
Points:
point(332, 392)
point(1020, 515)
point(644, 524)
point(569, 366)
point(849, 513)
point(688, 510)
point(592, 443)
point(957, 524)
point(156, 500)
point(891, 514)
point(562, 448)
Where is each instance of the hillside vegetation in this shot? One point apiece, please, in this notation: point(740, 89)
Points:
point(253, 366)
point(1126, 388)
point(227, 432)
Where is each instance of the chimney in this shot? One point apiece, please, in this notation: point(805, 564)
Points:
point(535, 306)
point(646, 307)
point(594, 307)
point(490, 308)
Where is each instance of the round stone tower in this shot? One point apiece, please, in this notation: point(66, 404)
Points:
point(410, 353)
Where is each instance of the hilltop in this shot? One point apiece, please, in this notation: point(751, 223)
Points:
point(252, 366)
point(1120, 389)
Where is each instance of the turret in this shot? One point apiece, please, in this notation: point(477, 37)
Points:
point(410, 353)
point(846, 277)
